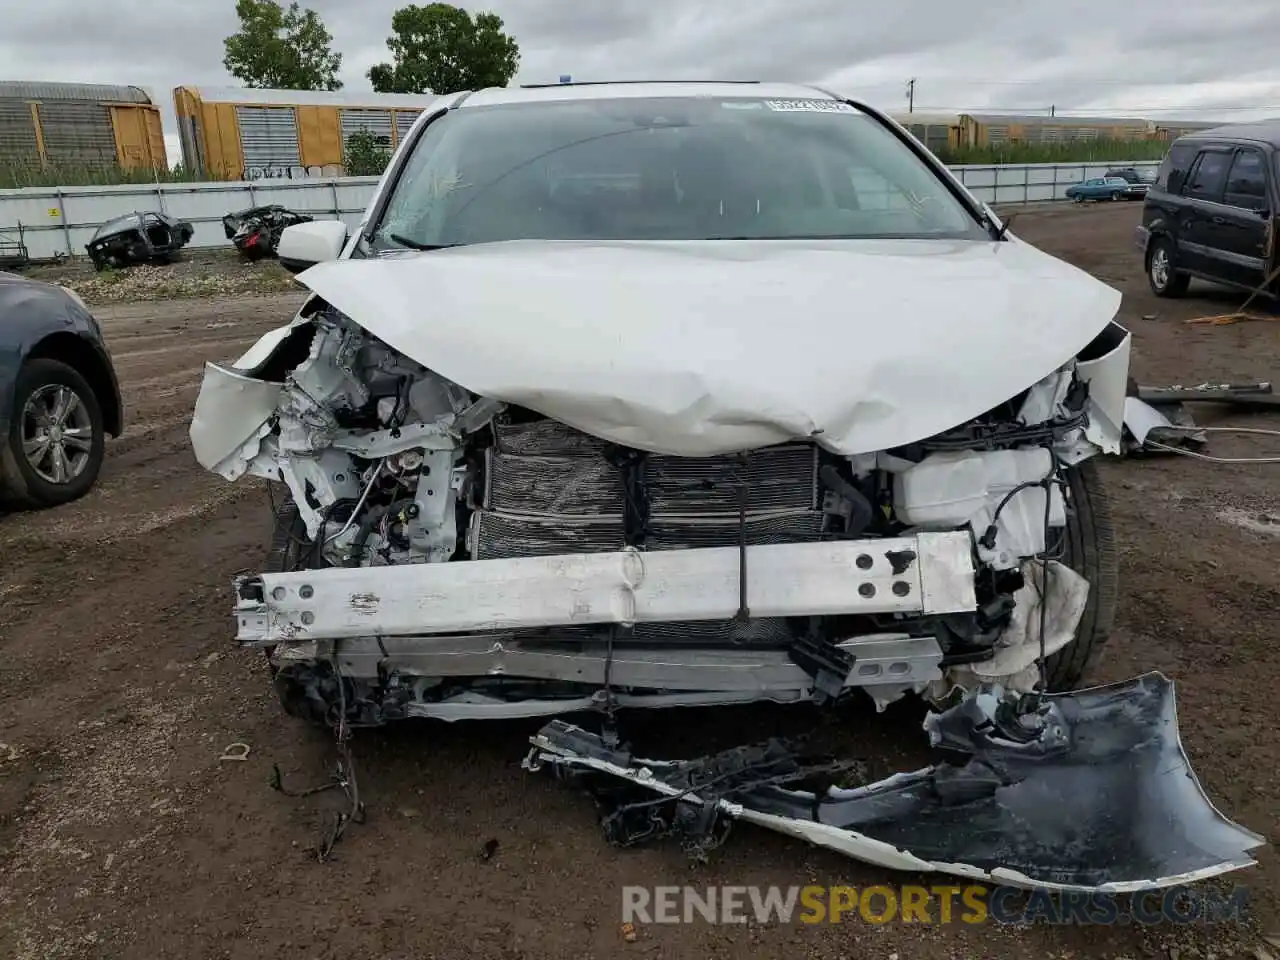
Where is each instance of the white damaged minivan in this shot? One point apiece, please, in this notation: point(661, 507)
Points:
point(673, 394)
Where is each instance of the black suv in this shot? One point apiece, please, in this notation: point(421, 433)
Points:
point(1209, 212)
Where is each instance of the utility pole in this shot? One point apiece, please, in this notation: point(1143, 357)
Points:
point(1052, 108)
point(911, 95)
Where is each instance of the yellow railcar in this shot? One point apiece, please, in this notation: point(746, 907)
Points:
point(937, 131)
point(237, 133)
point(89, 125)
point(993, 129)
point(1173, 129)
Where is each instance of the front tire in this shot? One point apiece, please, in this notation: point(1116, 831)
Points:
point(297, 686)
point(1089, 550)
point(56, 441)
point(1162, 272)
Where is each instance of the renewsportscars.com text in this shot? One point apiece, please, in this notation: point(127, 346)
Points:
point(971, 904)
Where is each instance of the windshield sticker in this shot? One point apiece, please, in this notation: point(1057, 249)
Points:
point(810, 106)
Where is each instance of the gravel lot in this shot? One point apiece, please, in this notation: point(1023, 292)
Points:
point(122, 835)
point(198, 273)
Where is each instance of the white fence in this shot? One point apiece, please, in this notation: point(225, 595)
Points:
point(1035, 182)
point(60, 220)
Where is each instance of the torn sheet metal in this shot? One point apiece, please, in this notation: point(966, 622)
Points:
point(896, 340)
point(232, 415)
point(1107, 374)
point(1091, 791)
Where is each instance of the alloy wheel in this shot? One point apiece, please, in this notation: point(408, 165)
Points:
point(57, 433)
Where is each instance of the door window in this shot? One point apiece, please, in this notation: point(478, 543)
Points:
point(1209, 176)
point(1173, 171)
point(1247, 181)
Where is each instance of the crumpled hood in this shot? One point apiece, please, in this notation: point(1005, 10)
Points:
point(709, 347)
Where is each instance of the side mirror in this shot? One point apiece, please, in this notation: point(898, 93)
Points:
point(304, 245)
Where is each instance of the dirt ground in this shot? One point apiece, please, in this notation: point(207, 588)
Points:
point(123, 835)
point(211, 272)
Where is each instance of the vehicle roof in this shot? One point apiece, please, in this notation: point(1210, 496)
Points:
point(542, 93)
point(254, 96)
point(1258, 131)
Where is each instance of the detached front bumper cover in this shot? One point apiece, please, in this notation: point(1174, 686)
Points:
point(1089, 791)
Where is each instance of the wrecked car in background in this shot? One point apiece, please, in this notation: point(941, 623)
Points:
point(256, 231)
point(138, 238)
point(658, 395)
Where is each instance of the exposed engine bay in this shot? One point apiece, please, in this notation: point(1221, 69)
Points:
point(480, 525)
point(956, 539)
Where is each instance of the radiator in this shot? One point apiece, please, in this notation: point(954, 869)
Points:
point(549, 489)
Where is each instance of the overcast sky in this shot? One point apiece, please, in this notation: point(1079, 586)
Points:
point(1192, 60)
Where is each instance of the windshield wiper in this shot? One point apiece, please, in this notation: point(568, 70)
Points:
point(1005, 224)
point(416, 245)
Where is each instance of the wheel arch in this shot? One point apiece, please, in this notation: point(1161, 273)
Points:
point(1157, 229)
point(75, 351)
point(1092, 551)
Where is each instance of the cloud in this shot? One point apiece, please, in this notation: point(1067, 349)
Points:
point(1139, 58)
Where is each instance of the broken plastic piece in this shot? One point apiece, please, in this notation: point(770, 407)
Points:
point(1089, 791)
point(1168, 424)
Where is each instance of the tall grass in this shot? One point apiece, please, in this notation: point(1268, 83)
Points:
point(1077, 151)
point(14, 175)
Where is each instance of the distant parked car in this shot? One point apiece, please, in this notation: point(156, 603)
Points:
point(138, 238)
point(1210, 212)
point(1139, 181)
point(59, 397)
point(1098, 188)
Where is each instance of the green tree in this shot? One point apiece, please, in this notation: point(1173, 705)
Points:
point(283, 49)
point(365, 155)
point(439, 48)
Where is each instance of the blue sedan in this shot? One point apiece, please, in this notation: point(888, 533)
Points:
point(1098, 188)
